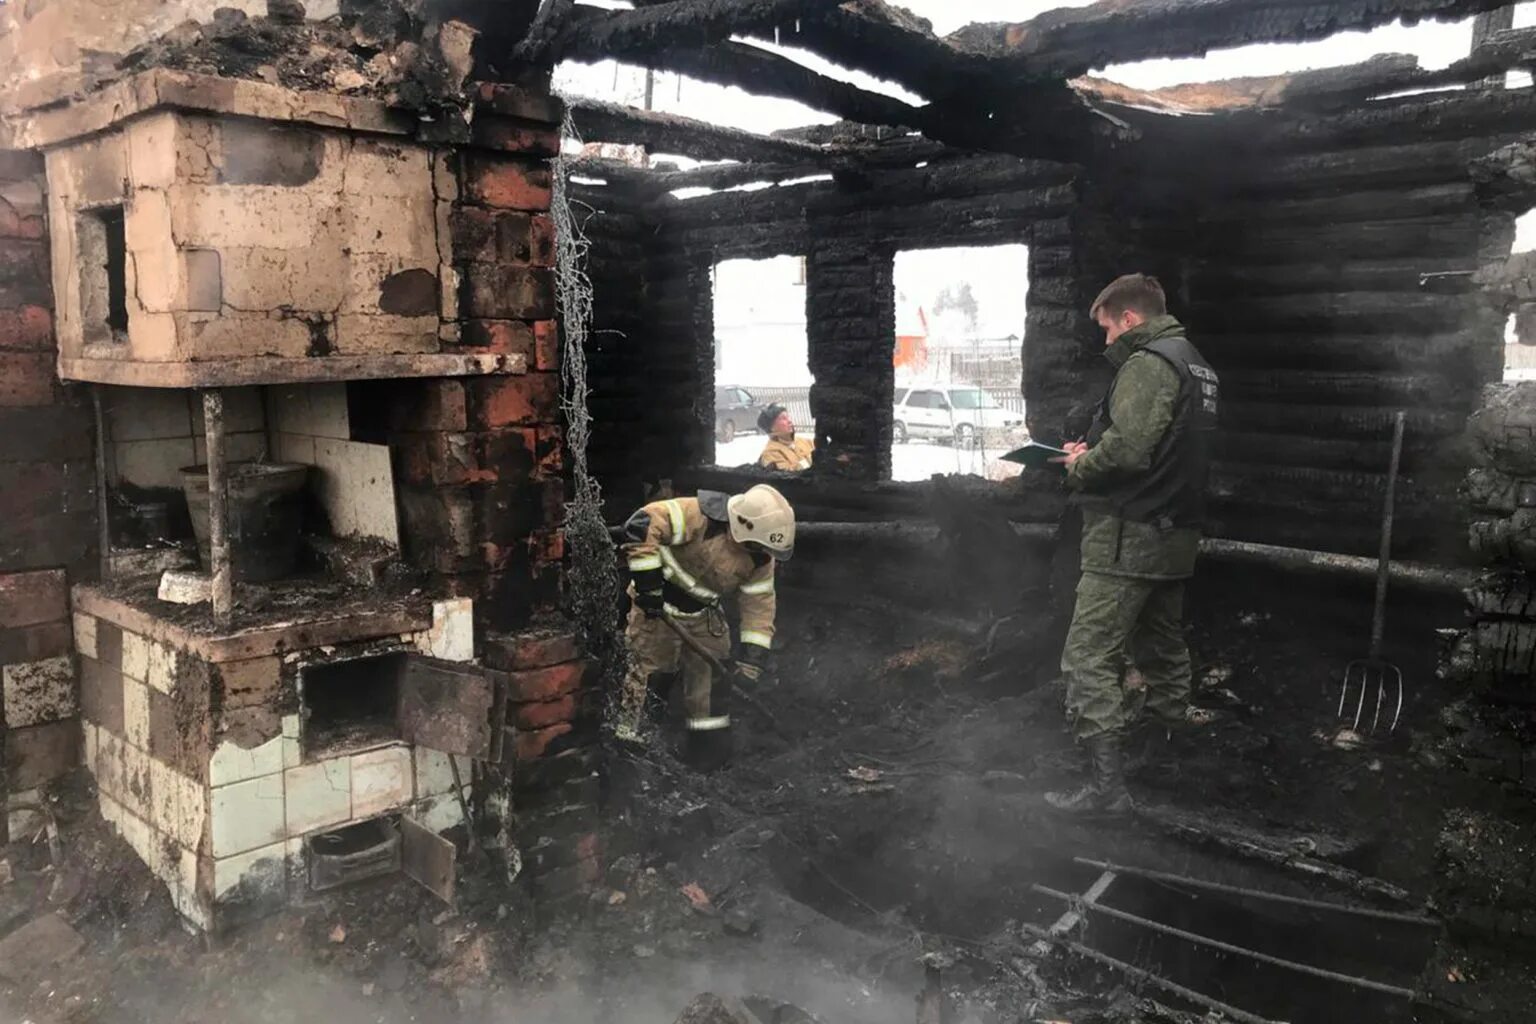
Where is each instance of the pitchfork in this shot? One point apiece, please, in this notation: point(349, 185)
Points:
point(1371, 671)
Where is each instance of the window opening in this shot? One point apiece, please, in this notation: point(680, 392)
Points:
point(1520, 354)
point(760, 354)
point(960, 316)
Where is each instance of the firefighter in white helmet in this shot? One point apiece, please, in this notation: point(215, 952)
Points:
point(685, 555)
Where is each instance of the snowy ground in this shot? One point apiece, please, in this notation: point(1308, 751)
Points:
point(915, 460)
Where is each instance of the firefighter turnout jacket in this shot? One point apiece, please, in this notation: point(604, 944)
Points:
point(793, 454)
point(683, 547)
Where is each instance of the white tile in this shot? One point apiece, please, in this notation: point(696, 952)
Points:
point(161, 674)
point(237, 448)
point(144, 840)
point(90, 735)
point(39, 691)
point(292, 755)
point(233, 763)
point(146, 414)
point(85, 634)
point(153, 463)
point(192, 906)
point(439, 814)
point(381, 781)
point(243, 412)
point(296, 448)
point(111, 811)
point(452, 634)
point(261, 869)
point(246, 815)
point(191, 811)
point(434, 776)
point(135, 656)
point(136, 713)
point(319, 795)
point(109, 764)
point(137, 791)
point(354, 482)
point(165, 797)
point(291, 726)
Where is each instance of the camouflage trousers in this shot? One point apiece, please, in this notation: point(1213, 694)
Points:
point(1122, 625)
point(654, 648)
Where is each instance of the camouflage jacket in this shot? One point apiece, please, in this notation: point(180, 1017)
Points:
point(1145, 393)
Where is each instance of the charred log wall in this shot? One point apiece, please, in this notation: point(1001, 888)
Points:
point(1302, 285)
point(1293, 247)
point(650, 380)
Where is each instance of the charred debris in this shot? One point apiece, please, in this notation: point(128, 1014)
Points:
point(356, 273)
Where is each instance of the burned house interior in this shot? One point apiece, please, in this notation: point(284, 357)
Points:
point(340, 341)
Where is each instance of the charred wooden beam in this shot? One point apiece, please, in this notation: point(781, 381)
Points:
point(1341, 87)
point(1070, 42)
point(767, 74)
point(599, 121)
point(883, 41)
point(676, 23)
point(553, 17)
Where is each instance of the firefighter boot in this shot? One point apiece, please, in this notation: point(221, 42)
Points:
point(1105, 792)
point(708, 750)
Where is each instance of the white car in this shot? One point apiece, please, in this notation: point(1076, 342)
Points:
point(952, 412)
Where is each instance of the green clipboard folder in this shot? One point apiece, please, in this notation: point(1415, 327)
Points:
point(1035, 456)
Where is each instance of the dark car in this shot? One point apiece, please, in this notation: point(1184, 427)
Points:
point(735, 412)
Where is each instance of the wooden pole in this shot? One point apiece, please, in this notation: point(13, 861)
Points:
point(218, 510)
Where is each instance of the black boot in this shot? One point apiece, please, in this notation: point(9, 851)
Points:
point(1106, 792)
point(708, 750)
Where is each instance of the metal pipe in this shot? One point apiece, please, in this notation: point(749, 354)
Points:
point(1227, 947)
point(1143, 975)
point(1259, 894)
point(218, 510)
point(1450, 580)
point(103, 530)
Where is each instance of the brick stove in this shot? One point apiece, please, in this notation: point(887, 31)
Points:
point(378, 307)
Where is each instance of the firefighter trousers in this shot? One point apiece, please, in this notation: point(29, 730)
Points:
point(655, 648)
point(1119, 622)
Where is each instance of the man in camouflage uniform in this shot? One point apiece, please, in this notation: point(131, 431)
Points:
point(1140, 478)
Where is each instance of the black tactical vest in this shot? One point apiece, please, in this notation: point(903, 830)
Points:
point(1172, 492)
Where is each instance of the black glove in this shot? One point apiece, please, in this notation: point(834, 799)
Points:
point(648, 583)
point(650, 602)
point(751, 662)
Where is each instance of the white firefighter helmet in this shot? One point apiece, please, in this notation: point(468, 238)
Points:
point(762, 518)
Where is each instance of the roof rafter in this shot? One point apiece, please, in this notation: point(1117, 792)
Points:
point(1070, 42)
point(600, 33)
point(600, 121)
point(768, 74)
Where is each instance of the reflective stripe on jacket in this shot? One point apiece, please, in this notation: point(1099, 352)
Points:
point(705, 564)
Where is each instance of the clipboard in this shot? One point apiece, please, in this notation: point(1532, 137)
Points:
point(1035, 455)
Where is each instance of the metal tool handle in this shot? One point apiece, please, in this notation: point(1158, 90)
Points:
point(1384, 561)
point(730, 677)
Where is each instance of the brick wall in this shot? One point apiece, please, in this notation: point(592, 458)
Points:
point(552, 759)
point(478, 461)
point(47, 497)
